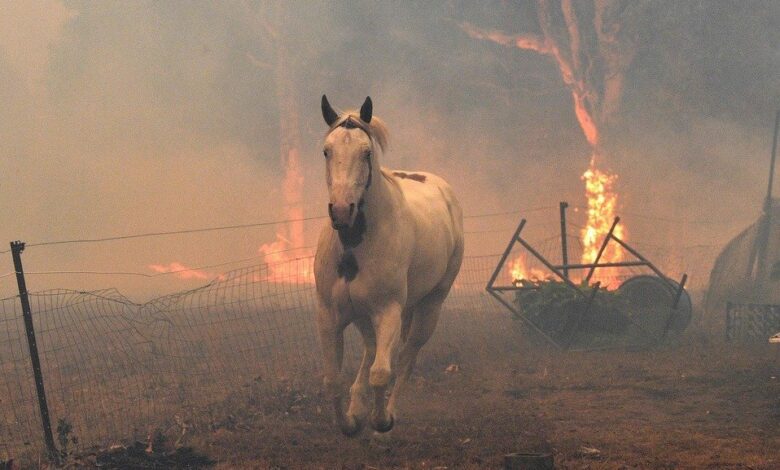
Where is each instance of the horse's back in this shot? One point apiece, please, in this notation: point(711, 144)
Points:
point(428, 194)
point(438, 220)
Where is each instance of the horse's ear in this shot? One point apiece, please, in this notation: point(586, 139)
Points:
point(366, 110)
point(327, 112)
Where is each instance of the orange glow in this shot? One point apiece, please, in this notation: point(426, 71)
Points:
point(519, 271)
point(181, 271)
point(286, 258)
point(594, 99)
point(523, 41)
point(601, 212)
point(282, 266)
point(587, 124)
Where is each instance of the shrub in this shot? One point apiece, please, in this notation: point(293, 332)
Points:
point(556, 308)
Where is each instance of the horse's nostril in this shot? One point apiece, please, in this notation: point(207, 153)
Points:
point(330, 210)
point(351, 209)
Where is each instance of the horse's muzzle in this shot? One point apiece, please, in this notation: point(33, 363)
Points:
point(341, 215)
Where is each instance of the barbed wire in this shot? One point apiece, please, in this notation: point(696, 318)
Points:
point(666, 219)
point(176, 271)
point(305, 219)
point(679, 247)
point(229, 227)
point(119, 273)
point(516, 211)
point(172, 232)
point(184, 270)
point(502, 230)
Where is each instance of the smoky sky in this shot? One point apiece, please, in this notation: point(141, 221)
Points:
point(131, 117)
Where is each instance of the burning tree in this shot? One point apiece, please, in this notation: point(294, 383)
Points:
point(592, 53)
point(265, 21)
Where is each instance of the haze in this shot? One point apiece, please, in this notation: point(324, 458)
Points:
point(120, 118)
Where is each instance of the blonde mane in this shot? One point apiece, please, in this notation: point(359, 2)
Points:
point(376, 129)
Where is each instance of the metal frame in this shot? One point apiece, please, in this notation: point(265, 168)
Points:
point(561, 272)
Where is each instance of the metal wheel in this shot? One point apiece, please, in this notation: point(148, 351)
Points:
point(650, 300)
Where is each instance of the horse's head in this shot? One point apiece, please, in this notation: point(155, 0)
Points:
point(349, 159)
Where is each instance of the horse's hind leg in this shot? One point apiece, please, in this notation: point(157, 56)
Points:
point(424, 318)
point(360, 390)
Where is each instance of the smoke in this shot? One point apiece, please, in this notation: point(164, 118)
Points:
point(27, 33)
point(132, 117)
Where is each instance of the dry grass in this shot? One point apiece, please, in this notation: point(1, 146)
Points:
point(697, 404)
point(694, 405)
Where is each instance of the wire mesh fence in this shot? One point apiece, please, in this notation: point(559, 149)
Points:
point(116, 370)
point(751, 322)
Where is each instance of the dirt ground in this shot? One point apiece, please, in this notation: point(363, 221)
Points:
point(695, 404)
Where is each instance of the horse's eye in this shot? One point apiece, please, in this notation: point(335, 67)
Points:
point(368, 154)
point(325, 153)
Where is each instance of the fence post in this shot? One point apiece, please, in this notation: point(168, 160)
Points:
point(16, 251)
point(564, 243)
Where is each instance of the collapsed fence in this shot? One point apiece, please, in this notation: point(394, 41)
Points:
point(116, 370)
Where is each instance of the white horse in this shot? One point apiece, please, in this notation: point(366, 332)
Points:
point(386, 263)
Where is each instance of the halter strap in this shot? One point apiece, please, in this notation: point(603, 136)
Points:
point(351, 123)
point(370, 173)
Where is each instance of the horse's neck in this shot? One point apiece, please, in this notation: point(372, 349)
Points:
point(381, 202)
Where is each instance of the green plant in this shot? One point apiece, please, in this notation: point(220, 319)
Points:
point(65, 438)
point(556, 308)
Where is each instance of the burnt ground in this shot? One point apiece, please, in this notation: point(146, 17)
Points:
point(696, 404)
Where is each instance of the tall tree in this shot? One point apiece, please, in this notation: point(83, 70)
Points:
point(589, 49)
point(265, 20)
point(592, 55)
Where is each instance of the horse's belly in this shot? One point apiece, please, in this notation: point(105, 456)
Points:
point(437, 236)
point(430, 263)
point(422, 280)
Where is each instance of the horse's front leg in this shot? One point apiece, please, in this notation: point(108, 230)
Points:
point(387, 328)
point(331, 334)
point(359, 405)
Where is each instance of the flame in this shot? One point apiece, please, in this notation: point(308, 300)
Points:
point(282, 267)
point(181, 271)
point(286, 258)
point(601, 212)
point(594, 96)
point(519, 271)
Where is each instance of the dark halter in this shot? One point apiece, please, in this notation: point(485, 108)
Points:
point(350, 123)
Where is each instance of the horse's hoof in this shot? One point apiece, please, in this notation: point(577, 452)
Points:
point(352, 427)
point(383, 426)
